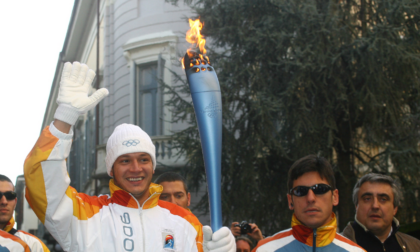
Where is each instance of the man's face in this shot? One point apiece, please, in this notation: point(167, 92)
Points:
point(242, 246)
point(133, 173)
point(375, 209)
point(313, 210)
point(174, 192)
point(6, 206)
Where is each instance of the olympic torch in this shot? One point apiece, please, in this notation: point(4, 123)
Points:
point(207, 101)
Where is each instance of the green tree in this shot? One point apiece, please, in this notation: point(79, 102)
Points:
point(335, 78)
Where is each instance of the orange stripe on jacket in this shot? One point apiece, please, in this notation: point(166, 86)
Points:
point(33, 172)
point(45, 248)
point(155, 191)
point(84, 206)
point(187, 215)
point(15, 239)
point(348, 241)
point(9, 225)
point(324, 236)
point(272, 238)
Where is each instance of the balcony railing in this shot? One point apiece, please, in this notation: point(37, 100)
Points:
point(166, 155)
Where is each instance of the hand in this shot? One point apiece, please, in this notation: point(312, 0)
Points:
point(220, 241)
point(236, 231)
point(73, 99)
point(255, 232)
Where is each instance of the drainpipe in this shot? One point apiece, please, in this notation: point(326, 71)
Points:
point(97, 87)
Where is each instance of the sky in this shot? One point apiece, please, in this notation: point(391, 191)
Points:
point(32, 37)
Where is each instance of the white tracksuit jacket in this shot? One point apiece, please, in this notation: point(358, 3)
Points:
point(11, 243)
point(34, 243)
point(114, 223)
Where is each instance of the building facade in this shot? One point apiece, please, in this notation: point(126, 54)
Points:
point(133, 45)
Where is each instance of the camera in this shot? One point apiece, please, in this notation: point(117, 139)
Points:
point(245, 227)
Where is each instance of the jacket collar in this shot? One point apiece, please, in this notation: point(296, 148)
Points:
point(9, 225)
point(124, 198)
point(395, 225)
point(324, 235)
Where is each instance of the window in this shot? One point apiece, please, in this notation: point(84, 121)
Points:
point(149, 97)
point(74, 162)
point(148, 57)
point(81, 160)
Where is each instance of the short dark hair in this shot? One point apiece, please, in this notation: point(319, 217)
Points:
point(5, 178)
point(311, 163)
point(171, 177)
point(378, 178)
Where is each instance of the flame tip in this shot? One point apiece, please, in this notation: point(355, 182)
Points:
point(194, 35)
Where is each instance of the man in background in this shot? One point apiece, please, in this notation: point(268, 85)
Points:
point(175, 190)
point(377, 198)
point(8, 200)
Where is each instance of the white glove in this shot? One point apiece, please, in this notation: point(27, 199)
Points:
point(73, 99)
point(221, 241)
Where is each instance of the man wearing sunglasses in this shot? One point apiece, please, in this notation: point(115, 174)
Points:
point(377, 198)
point(311, 195)
point(8, 202)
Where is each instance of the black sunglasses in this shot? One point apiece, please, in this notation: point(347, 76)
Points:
point(318, 189)
point(8, 195)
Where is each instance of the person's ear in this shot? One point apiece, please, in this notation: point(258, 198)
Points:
point(335, 197)
point(189, 198)
point(290, 201)
point(111, 173)
point(395, 210)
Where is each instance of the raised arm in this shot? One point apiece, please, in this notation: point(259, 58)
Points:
point(48, 191)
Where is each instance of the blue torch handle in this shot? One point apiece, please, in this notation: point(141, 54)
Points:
point(207, 101)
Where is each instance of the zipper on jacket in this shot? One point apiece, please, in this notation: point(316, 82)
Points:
point(314, 242)
point(141, 217)
point(142, 229)
point(141, 221)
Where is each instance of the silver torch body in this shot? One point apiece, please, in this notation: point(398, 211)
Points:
point(207, 101)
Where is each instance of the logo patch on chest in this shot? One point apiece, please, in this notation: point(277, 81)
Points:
point(168, 240)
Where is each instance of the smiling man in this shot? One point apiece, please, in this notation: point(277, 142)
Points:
point(377, 198)
point(132, 218)
point(312, 195)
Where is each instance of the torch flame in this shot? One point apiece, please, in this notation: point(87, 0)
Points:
point(194, 37)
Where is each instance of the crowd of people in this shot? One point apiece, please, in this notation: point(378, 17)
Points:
point(140, 215)
point(312, 195)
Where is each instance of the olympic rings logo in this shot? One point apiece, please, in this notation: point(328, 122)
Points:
point(130, 143)
point(212, 110)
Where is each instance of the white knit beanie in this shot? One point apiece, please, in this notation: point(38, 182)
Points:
point(128, 138)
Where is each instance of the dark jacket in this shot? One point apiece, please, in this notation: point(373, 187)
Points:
point(397, 241)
